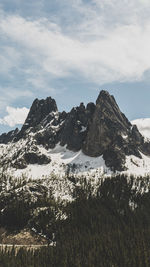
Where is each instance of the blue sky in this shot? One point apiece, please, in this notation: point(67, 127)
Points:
point(70, 50)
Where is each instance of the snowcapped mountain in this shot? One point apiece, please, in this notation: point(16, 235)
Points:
point(94, 140)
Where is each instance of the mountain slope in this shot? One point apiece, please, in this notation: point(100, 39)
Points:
point(97, 138)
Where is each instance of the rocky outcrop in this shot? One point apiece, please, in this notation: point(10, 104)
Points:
point(106, 125)
point(50, 129)
point(30, 158)
point(74, 129)
point(5, 138)
point(33, 158)
point(40, 109)
point(111, 134)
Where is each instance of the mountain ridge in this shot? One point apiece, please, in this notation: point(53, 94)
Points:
point(99, 129)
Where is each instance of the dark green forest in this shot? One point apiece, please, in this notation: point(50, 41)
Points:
point(110, 228)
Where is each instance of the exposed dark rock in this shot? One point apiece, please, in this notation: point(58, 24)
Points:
point(114, 159)
point(75, 126)
point(111, 134)
point(19, 163)
point(30, 158)
point(47, 138)
point(40, 109)
point(33, 158)
point(8, 137)
point(136, 136)
point(145, 148)
point(107, 123)
point(51, 127)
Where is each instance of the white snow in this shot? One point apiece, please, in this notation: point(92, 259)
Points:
point(64, 160)
point(124, 136)
point(137, 166)
point(83, 129)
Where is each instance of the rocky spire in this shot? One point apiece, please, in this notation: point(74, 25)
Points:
point(110, 133)
point(8, 137)
point(38, 112)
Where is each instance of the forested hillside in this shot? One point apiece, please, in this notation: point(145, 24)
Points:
point(110, 227)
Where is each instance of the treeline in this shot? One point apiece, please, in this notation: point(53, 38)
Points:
point(108, 229)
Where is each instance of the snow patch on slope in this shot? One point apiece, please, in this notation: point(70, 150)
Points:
point(137, 166)
point(64, 161)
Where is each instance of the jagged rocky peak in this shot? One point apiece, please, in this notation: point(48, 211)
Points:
point(111, 134)
point(39, 110)
point(108, 106)
point(8, 137)
point(107, 122)
point(75, 126)
point(67, 128)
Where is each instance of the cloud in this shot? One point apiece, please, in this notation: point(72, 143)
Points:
point(15, 116)
point(98, 41)
point(143, 126)
point(98, 53)
point(9, 95)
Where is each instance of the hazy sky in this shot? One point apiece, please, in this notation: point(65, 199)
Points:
point(70, 50)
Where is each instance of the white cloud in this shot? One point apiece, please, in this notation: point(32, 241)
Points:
point(15, 116)
point(109, 42)
point(143, 126)
point(9, 94)
point(119, 55)
point(9, 58)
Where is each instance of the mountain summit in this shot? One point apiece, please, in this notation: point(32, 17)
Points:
point(96, 130)
point(111, 134)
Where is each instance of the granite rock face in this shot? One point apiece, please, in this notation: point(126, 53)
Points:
point(111, 134)
point(5, 138)
point(33, 158)
point(107, 126)
point(39, 110)
point(75, 126)
point(97, 129)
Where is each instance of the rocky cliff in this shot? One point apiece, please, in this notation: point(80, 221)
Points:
point(111, 134)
